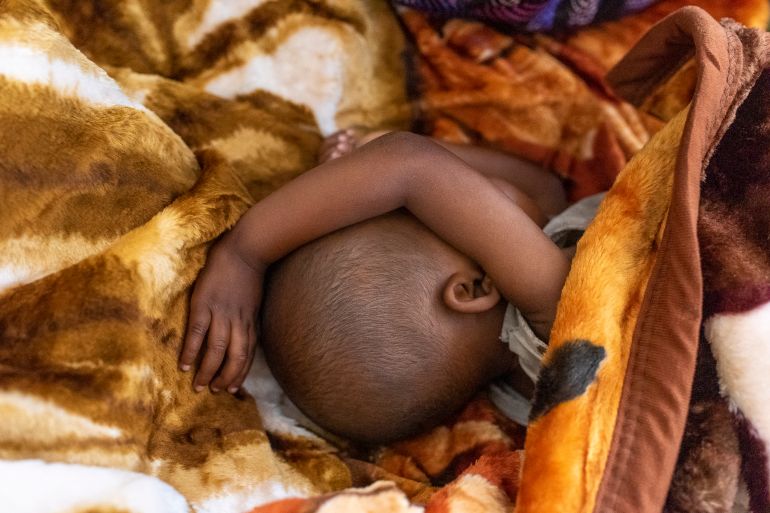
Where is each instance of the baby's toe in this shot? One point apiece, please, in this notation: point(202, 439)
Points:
point(336, 145)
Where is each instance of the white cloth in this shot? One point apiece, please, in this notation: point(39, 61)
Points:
point(564, 230)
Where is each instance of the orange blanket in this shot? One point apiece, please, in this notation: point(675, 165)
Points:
point(544, 97)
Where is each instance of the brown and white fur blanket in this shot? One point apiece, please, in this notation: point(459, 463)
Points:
point(132, 134)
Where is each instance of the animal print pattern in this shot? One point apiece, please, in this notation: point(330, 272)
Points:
point(695, 200)
point(133, 134)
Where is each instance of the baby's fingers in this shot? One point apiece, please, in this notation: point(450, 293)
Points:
point(197, 326)
point(238, 381)
point(237, 359)
point(216, 345)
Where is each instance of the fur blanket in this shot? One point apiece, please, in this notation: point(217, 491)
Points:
point(132, 134)
point(544, 97)
point(661, 333)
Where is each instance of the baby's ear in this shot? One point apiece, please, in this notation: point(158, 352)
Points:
point(470, 291)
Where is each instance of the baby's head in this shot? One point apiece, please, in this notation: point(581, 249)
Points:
point(381, 329)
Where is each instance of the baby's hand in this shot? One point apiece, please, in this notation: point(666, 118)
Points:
point(223, 312)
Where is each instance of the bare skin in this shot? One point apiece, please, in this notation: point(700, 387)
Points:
point(496, 210)
point(538, 193)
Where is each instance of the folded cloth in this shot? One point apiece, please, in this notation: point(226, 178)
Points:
point(656, 370)
point(532, 15)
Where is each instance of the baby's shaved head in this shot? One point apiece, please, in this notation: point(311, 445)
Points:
point(352, 330)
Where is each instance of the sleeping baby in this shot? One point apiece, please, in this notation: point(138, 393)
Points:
point(394, 280)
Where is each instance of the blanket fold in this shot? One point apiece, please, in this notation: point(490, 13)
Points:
point(624, 422)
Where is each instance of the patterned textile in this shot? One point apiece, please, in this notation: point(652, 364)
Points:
point(132, 134)
point(470, 464)
point(532, 15)
point(545, 98)
point(662, 330)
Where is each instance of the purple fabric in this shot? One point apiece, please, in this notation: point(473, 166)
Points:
point(531, 15)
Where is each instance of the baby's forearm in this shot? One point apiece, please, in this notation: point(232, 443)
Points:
point(335, 194)
point(404, 170)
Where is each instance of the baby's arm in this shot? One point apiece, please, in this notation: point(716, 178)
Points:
point(539, 192)
point(543, 187)
point(398, 170)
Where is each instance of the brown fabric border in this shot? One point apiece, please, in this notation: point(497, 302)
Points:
point(654, 404)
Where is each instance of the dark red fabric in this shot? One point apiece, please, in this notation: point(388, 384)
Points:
point(735, 212)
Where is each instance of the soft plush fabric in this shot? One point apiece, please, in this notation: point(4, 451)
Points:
point(471, 464)
point(734, 227)
point(532, 15)
point(544, 97)
point(132, 134)
point(695, 199)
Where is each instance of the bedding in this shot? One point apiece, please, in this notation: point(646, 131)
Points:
point(133, 133)
point(661, 322)
point(544, 96)
point(532, 15)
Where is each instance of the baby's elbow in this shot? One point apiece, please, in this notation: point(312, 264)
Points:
point(553, 199)
point(406, 143)
point(415, 154)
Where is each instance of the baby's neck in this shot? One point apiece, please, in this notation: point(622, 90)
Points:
point(520, 382)
point(569, 252)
